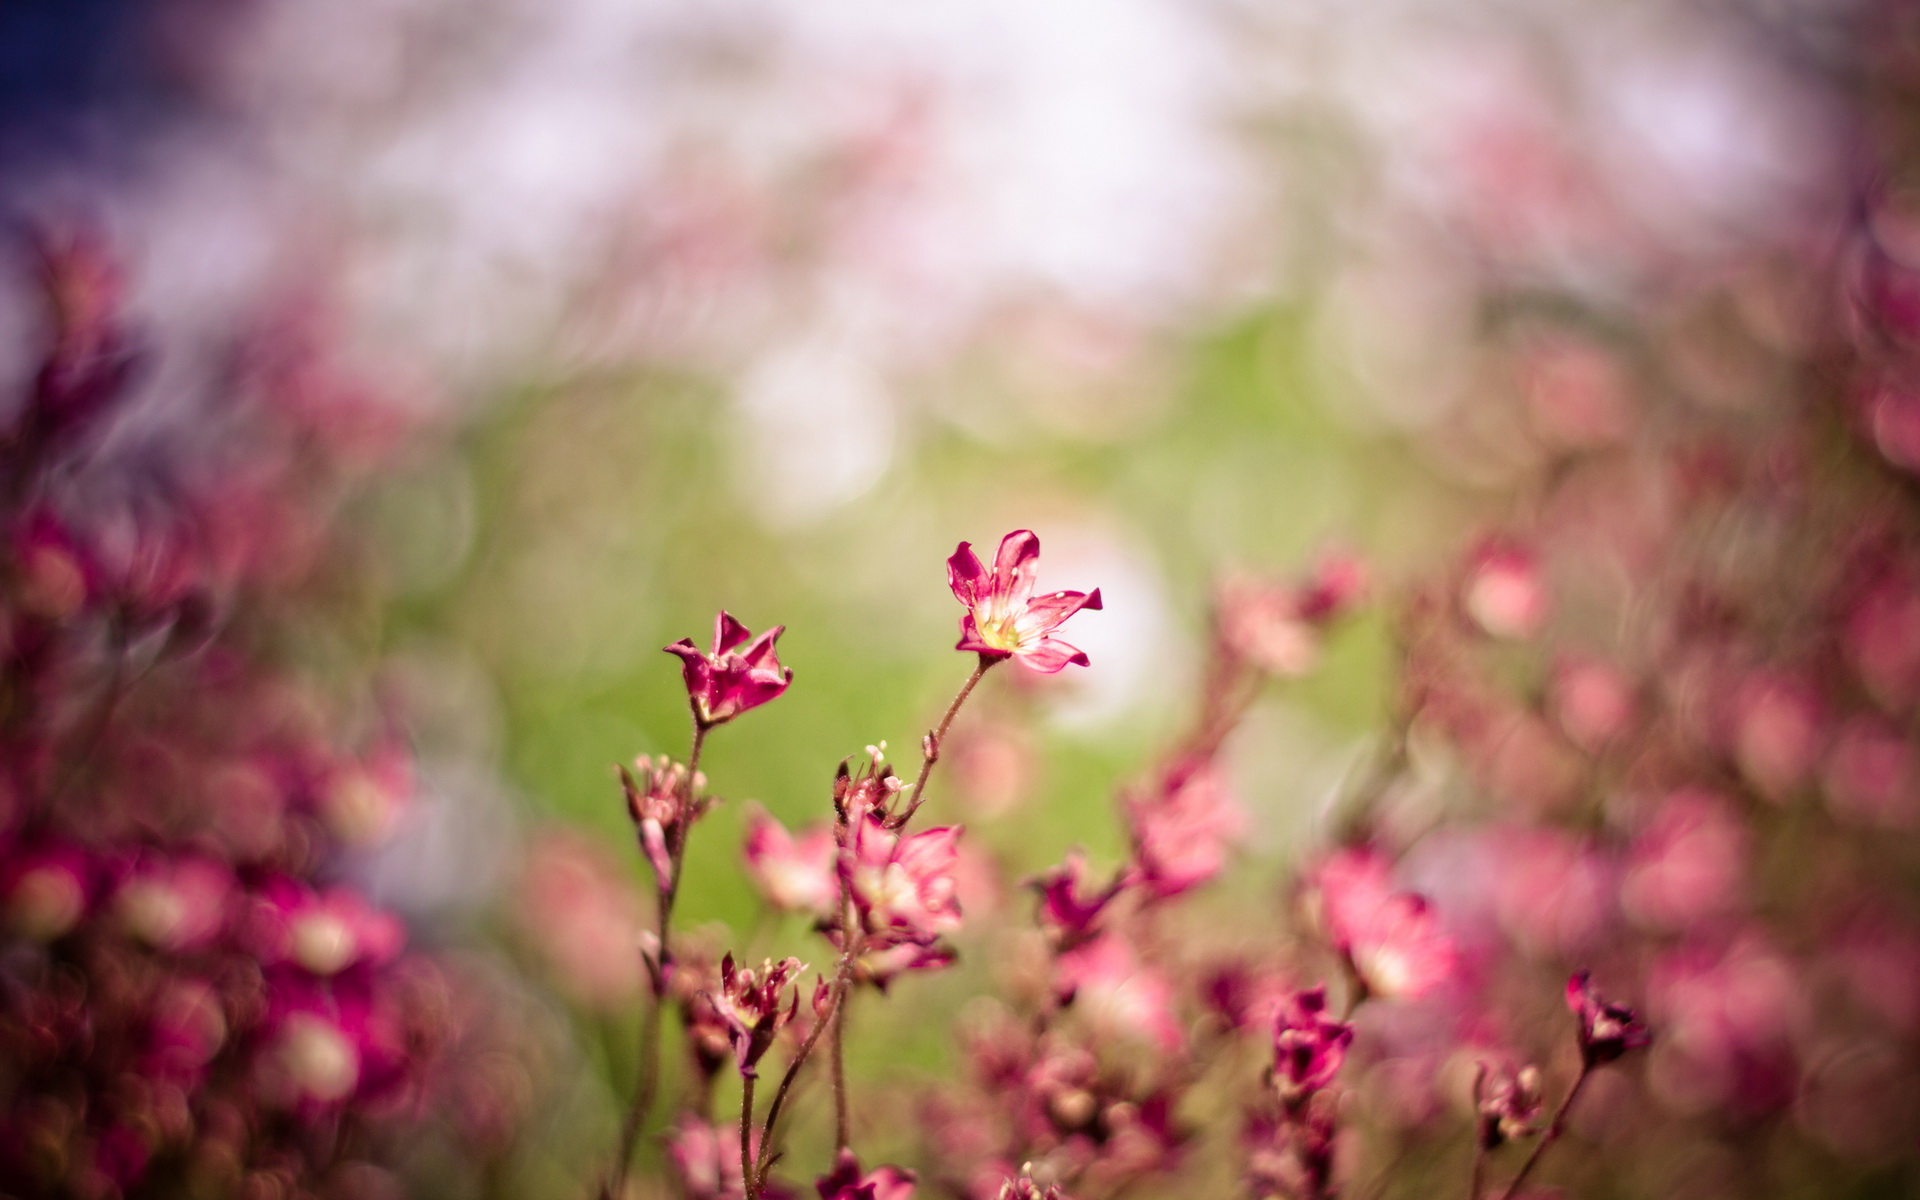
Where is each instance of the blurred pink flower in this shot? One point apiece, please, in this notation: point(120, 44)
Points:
point(1504, 593)
point(663, 804)
point(794, 873)
point(1869, 775)
point(1606, 1030)
point(1392, 938)
point(1004, 618)
point(1688, 864)
point(1181, 830)
point(1309, 1047)
point(904, 887)
point(579, 911)
point(1592, 700)
point(1777, 733)
point(1121, 994)
point(1067, 912)
point(1278, 627)
point(847, 1182)
point(727, 682)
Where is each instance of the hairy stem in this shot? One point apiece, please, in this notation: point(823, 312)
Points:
point(1546, 1139)
point(843, 977)
point(649, 1081)
point(930, 749)
point(752, 1184)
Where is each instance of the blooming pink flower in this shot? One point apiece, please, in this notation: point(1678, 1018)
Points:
point(1004, 618)
point(1308, 1046)
point(846, 1182)
point(729, 681)
point(904, 887)
point(755, 1005)
point(1606, 1030)
point(796, 873)
point(1181, 831)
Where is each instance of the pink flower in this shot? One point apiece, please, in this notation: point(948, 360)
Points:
point(1067, 913)
point(1392, 939)
point(663, 804)
point(1004, 618)
point(1504, 593)
point(1105, 978)
point(1278, 628)
point(1181, 833)
point(794, 873)
point(755, 1005)
point(904, 887)
point(845, 1181)
point(1308, 1046)
point(1508, 1103)
point(1689, 864)
point(1606, 1030)
point(729, 681)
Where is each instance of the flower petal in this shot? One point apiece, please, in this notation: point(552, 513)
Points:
point(964, 574)
point(1013, 567)
point(1049, 656)
point(727, 633)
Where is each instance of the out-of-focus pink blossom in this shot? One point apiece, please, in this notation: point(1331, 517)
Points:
point(1508, 1104)
point(706, 1159)
point(1592, 700)
point(847, 1182)
point(1869, 775)
point(1309, 1046)
point(794, 873)
point(1777, 734)
point(729, 681)
point(1004, 619)
point(1553, 893)
point(1022, 1187)
point(580, 912)
point(1504, 593)
point(175, 904)
point(1067, 912)
point(1606, 1030)
point(1181, 830)
point(1278, 627)
point(1393, 939)
point(904, 887)
point(1688, 864)
point(1577, 394)
point(47, 891)
point(1883, 642)
point(1121, 994)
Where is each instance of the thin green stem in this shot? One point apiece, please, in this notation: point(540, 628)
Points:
point(930, 749)
point(750, 1182)
point(649, 1081)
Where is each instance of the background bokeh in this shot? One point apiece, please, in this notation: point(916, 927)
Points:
point(667, 307)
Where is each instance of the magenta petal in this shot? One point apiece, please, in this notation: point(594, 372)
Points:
point(1047, 612)
point(761, 654)
point(1013, 566)
point(727, 633)
point(964, 573)
point(1051, 656)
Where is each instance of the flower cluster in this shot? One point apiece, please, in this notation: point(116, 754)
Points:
point(194, 995)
